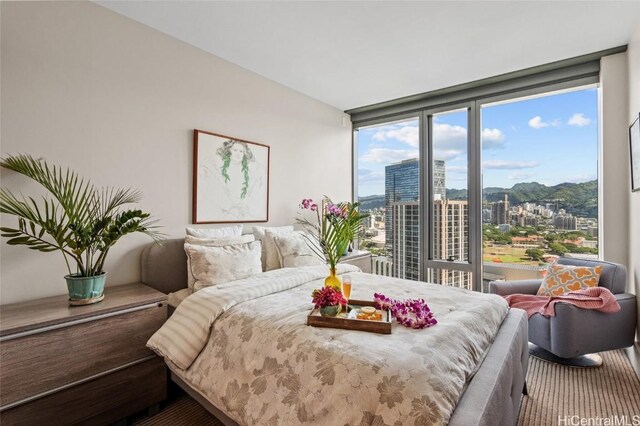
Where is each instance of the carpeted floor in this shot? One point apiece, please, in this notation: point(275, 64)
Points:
point(183, 411)
point(555, 391)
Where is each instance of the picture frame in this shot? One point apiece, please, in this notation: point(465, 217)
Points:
point(230, 179)
point(634, 147)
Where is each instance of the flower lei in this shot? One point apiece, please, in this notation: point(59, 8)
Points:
point(413, 313)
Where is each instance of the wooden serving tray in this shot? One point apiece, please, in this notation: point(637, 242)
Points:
point(382, 327)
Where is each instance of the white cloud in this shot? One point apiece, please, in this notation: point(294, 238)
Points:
point(520, 176)
point(509, 165)
point(448, 136)
point(406, 134)
point(578, 119)
point(449, 141)
point(379, 136)
point(370, 176)
point(492, 138)
point(537, 123)
point(446, 154)
point(387, 156)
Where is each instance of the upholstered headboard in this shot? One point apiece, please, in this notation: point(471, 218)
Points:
point(164, 267)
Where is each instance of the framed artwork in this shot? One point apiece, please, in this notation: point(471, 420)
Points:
point(634, 143)
point(230, 179)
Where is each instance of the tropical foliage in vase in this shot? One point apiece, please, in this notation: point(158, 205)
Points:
point(76, 218)
point(336, 225)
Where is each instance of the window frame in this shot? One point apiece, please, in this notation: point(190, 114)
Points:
point(571, 77)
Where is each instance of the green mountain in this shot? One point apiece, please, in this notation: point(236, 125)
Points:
point(579, 199)
point(371, 202)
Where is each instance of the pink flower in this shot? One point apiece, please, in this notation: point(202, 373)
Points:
point(334, 210)
point(327, 296)
point(382, 301)
point(413, 313)
point(308, 204)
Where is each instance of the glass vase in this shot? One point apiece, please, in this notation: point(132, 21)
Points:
point(332, 280)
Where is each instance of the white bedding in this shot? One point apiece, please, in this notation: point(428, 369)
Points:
point(175, 298)
point(263, 365)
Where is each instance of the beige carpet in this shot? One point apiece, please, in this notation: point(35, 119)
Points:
point(554, 390)
point(184, 411)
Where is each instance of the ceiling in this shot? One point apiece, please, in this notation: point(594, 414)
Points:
point(353, 53)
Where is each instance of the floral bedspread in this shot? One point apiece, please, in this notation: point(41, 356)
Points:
point(263, 365)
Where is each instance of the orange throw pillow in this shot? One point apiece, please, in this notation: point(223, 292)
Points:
point(561, 279)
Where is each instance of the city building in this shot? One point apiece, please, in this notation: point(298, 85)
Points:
point(401, 184)
point(450, 241)
point(565, 221)
point(450, 237)
point(439, 180)
point(486, 215)
point(405, 250)
point(450, 230)
point(500, 212)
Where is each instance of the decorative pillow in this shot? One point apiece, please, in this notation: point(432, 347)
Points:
point(561, 279)
point(217, 265)
point(212, 242)
point(294, 250)
point(224, 232)
point(270, 257)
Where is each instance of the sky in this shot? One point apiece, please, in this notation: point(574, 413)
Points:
point(549, 140)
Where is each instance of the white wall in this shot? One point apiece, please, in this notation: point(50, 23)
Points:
point(615, 187)
point(633, 55)
point(117, 101)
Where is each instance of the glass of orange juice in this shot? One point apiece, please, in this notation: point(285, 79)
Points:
point(346, 289)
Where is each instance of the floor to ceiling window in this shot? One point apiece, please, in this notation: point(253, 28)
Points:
point(540, 187)
point(447, 189)
point(494, 187)
point(388, 189)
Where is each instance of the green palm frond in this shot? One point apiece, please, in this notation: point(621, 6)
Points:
point(330, 237)
point(79, 220)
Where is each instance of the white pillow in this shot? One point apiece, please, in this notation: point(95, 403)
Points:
point(224, 232)
point(270, 257)
point(217, 265)
point(212, 242)
point(294, 251)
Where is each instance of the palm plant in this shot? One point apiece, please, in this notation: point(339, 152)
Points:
point(353, 219)
point(336, 226)
point(77, 219)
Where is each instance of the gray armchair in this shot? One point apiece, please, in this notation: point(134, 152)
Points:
point(573, 333)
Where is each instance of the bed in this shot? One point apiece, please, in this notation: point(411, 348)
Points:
point(486, 380)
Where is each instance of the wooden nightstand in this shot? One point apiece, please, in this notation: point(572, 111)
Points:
point(359, 258)
point(66, 364)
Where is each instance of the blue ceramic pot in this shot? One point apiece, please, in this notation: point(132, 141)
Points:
point(85, 290)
